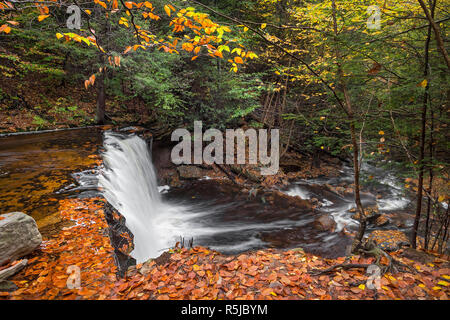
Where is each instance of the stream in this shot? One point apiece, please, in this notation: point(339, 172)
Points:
point(37, 170)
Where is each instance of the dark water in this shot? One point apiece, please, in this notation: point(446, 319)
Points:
point(35, 169)
point(231, 221)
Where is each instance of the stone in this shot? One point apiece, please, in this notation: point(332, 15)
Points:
point(7, 286)
point(12, 270)
point(381, 221)
point(146, 267)
point(190, 172)
point(371, 214)
point(19, 236)
point(325, 223)
point(389, 240)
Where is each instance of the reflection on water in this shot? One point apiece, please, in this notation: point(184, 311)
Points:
point(33, 167)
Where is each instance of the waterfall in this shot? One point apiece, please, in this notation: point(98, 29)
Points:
point(128, 182)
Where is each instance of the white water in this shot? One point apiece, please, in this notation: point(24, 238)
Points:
point(129, 184)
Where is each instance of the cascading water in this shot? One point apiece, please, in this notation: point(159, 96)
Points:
point(129, 184)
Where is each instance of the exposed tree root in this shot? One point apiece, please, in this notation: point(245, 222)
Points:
point(370, 249)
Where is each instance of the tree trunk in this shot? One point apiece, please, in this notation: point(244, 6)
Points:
point(351, 118)
point(422, 137)
point(437, 32)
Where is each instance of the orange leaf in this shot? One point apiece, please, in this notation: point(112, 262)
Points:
point(117, 61)
point(42, 17)
point(238, 60)
point(122, 287)
point(5, 28)
point(167, 9)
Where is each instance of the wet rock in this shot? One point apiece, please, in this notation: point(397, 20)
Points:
point(371, 214)
point(19, 236)
point(163, 258)
point(190, 172)
point(146, 267)
point(325, 223)
point(121, 239)
point(340, 189)
point(348, 191)
point(381, 221)
point(7, 286)
point(389, 240)
point(12, 270)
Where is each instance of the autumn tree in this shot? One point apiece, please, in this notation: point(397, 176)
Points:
point(190, 30)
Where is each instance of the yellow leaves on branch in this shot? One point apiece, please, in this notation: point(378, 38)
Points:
point(75, 37)
point(187, 46)
point(423, 84)
point(168, 8)
point(124, 21)
point(101, 3)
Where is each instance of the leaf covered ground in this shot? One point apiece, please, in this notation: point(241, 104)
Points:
point(200, 273)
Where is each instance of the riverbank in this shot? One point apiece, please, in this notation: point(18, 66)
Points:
point(200, 273)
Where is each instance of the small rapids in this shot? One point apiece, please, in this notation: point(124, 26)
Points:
point(383, 190)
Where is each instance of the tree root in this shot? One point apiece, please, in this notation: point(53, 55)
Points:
point(369, 249)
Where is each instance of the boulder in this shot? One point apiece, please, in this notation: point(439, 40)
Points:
point(389, 240)
point(190, 172)
point(325, 223)
point(7, 286)
point(371, 214)
point(19, 236)
point(381, 221)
